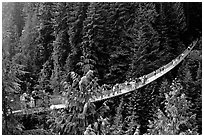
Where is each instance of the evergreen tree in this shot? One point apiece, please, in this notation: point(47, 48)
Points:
point(44, 76)
point(28, 37)
point(10, 70)
point(75, 36)
point(89, 57)
point(120, 20)
point(45, 29)
point(10, 30)
point(191, 80)
point(61, 46)
point(57, 71)
point(170, 25)
point(116, 128)
point(10, 86)
point(146, 43)
point(142, 103)
point(179, 119)
point(29, 48)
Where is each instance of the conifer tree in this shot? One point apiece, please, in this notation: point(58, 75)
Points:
point(57, 69)
point(10, 29)
point(61, 46)
point(75, 36)
point(28, 38)
point(179, 120)
point(170, 26)
point(89, 57)
point(146, 42)
point(120, 20)
point(10, 69)
point(189, 73)
point(45, 29)
point(10, 87)
point(118, 120)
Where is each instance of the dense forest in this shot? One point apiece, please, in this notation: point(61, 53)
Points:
point(44, 43)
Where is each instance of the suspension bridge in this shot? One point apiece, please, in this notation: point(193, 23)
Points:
point(126, 87)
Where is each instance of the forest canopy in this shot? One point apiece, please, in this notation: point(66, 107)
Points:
point(44, 42)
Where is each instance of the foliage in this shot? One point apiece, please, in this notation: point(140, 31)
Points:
point(10, 72)
point(10, 86)
point(142, 103)
point(75, 33)
point(119, 42)
point(44, 43)
point(178, 118)
point(44, 77)
point(28, 38)
point(170, 25)
point(116, 127)
point(146, 44)
point(191, 80)
point(14, 127)
point(79, 111)
point(60, 122)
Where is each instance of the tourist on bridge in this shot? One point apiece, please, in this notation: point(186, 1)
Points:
point(155, 72)
point(180, 56)
point(173, 61)
point(115, 89)
point(32, 102)
point(144, 79)
point(35, 97)
point(137, 80)
point(24, 100)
